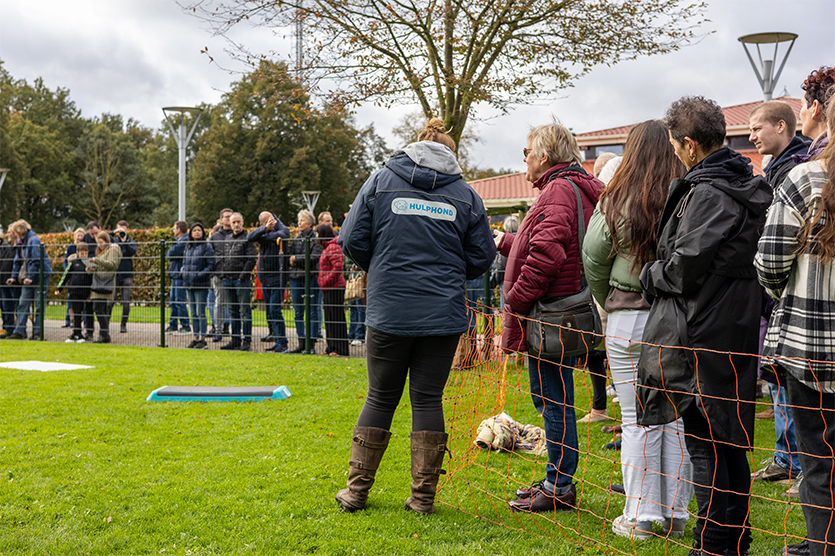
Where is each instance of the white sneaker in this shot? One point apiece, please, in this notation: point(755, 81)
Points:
point(357, 342)
point(640, 530)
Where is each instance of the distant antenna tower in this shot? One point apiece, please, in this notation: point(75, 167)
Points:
point(299, 44)
point(767, 79)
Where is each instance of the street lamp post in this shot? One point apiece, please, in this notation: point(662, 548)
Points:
point(182, 142)
point(767, 78)
point(3, 172)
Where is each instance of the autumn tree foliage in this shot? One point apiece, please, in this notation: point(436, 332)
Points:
point(450, 55)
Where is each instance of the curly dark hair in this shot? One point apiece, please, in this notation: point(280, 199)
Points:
point(818, 84)
point(698, 118)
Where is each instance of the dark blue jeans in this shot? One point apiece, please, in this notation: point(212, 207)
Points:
point(475, 295)
point(552, 390)
point(297, 293)
point(785, 449)
point(238, 294)
point(28, 298)
point(177, 300)
point(356, 330)
point(8, 302)
point(274, 297)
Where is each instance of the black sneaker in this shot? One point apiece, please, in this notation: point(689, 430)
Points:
point(123, 329)
point(268, 338)
point(201, 345)
point(246, 346)
point(171, 329)
point(88, 336)
point(231, 346)
point(192, 344)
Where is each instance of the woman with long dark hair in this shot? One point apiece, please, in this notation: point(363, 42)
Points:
point(620, 240)
point(420, 232)
point(332, 284)
point(796, 265)
point(706, 306)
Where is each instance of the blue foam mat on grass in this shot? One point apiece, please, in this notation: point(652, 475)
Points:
point(218, 394)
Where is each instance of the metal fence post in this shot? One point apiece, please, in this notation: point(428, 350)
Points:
point(162, 293)
point(308, 326)
point(42, 297)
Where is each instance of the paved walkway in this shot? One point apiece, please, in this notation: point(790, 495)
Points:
point(148, 335)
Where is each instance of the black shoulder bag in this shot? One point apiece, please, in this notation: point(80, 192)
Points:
point(568, 325)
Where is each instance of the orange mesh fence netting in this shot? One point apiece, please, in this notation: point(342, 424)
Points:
point(498, 445)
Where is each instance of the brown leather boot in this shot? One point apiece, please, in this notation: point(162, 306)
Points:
point(367, 450)
point(428, 449)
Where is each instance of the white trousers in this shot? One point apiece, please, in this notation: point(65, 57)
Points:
point(657, 473)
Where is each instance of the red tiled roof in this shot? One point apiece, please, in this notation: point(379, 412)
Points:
point(513, 189)
point(507, 190)
point(736, 119)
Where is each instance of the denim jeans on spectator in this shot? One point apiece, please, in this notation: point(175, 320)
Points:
point(238, 295)
point(8, 303)
point(356, 330)
point(552, 391)
point(25, 302)
point(197, 307)
point(785, 449)
point(273, 298)
point(475, 295)
point(177, 299)
point(297, 293)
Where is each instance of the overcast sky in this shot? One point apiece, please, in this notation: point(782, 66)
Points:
point(132, 57)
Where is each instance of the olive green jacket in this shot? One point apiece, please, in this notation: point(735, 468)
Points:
point(106, 265)
point(604, 269)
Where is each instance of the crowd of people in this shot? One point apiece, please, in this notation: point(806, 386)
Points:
point(209, 271)
point(214, 272)
point(698, 263)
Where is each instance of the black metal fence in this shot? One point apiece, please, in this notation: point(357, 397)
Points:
point(286, 311)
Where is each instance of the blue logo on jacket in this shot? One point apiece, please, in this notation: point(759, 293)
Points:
point(432, 209)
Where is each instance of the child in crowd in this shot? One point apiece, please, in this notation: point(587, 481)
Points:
point(77, 281)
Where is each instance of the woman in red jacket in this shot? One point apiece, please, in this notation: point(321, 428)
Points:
point(544, 263)
point(332, 284)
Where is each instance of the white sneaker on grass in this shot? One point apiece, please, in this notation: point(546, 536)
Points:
point(639, 530)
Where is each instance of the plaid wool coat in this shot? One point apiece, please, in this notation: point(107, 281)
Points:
point(801, 332)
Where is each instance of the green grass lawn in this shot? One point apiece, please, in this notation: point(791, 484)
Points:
point(87, 466)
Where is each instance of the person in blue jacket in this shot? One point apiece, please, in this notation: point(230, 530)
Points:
point(420, 232)
point(196, 274)
point(26, 272)
point(271, 237)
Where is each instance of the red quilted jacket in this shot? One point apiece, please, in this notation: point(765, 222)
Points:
point(331, 267)
point(543, 257)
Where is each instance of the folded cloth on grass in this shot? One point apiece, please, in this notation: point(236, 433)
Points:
point(502, 432)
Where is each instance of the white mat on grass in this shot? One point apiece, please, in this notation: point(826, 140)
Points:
point(42, 366)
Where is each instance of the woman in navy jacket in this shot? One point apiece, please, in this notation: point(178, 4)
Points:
point(420, 232)
point(196, 272)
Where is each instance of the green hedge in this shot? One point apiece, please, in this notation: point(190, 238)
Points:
point(145, 263)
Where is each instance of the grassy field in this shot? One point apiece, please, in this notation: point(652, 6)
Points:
point(87, 466)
